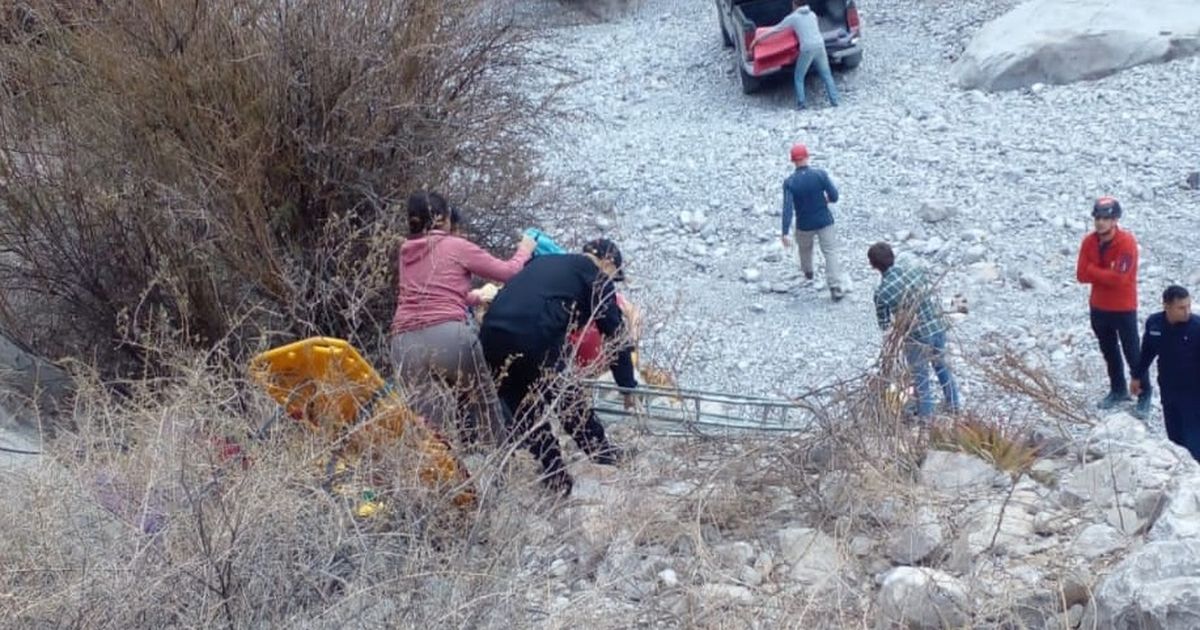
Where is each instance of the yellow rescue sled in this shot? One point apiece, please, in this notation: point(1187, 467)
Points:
point(326, 384)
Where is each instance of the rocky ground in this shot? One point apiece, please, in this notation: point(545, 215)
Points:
point(994, 190)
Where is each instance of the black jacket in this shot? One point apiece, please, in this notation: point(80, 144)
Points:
point(551, 296)
point(1177, 347)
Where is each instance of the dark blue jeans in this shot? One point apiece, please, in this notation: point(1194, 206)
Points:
point(1181, 415)
point(1117, 332)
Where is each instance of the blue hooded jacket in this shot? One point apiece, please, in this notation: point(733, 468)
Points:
point(804, 194)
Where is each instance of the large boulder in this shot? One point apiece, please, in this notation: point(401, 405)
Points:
point(1180, 517)
point(813, 556)
point(1062, 41)
point(1154, 588)
point(960, 473)
point(922, 598)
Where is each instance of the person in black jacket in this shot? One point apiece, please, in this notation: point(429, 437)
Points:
point(524, 341)
point(1173, 336)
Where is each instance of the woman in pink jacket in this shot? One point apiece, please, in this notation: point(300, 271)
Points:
point(437, 357)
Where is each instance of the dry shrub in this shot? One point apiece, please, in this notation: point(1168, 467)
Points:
point(145, 517)
point(226, 167)
point(1005, 447)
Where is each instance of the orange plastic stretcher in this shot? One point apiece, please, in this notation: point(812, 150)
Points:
point(327, 385)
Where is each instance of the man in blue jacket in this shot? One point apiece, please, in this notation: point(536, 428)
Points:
point(1173, 336)
point(807, 193)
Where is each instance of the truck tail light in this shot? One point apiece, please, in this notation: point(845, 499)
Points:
point(852, 21)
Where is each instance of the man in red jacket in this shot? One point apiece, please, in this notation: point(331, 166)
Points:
point(1108, 260)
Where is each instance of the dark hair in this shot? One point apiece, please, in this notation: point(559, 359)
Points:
point(456, 217)
point(881, 256)
point(1174, 293)
point(424, 210)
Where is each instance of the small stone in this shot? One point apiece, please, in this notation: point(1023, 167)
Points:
point(935, 212)
point(668, 578)
point(750, 274)
point(750, 576)
point(726, 594)
point(984, 271)
point(1193, 180)
point(1097, 540)
point(1032, 281)
point(757, 307)
point(1075, 616)
point(559, 567)
point(974, 254)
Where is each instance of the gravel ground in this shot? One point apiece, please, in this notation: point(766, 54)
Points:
point(667, 131)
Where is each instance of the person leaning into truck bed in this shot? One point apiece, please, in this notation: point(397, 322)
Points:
point(812, 50)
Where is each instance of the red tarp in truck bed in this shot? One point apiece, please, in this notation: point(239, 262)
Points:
point(779, 49)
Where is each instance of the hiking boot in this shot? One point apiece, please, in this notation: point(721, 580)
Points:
point(1113, 399)
point(808, 275)
point(837, 294)
point(1141, 411)
point(611, 456)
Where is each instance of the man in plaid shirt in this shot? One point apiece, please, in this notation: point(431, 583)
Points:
point(904, 299)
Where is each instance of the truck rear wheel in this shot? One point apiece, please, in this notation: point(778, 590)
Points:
point(725, 38)
point(750, 83)
point(850, 62)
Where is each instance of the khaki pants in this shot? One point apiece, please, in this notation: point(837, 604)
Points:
point(444, 376)
point(828, 240)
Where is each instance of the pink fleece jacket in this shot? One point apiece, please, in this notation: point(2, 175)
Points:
point(435, 277)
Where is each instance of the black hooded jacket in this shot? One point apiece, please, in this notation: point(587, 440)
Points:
point(551, 296)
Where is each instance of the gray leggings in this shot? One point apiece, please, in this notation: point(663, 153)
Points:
point(442, 372)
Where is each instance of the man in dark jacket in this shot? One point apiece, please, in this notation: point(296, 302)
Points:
point(524, 340)
point(807, 193)
point(1173, 336)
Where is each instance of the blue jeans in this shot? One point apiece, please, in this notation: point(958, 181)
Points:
point(808, 58)
point(921, 355)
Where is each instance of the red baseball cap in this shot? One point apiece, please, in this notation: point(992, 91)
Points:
point(799, 152)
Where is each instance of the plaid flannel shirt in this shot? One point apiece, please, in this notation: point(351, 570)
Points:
point(903, 293)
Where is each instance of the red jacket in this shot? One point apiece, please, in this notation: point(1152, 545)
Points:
point(1112, 271)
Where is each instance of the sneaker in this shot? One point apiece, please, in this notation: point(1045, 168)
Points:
point(1113, 399)
point(837, 295)
point(808, 275)
point(1141, 411)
